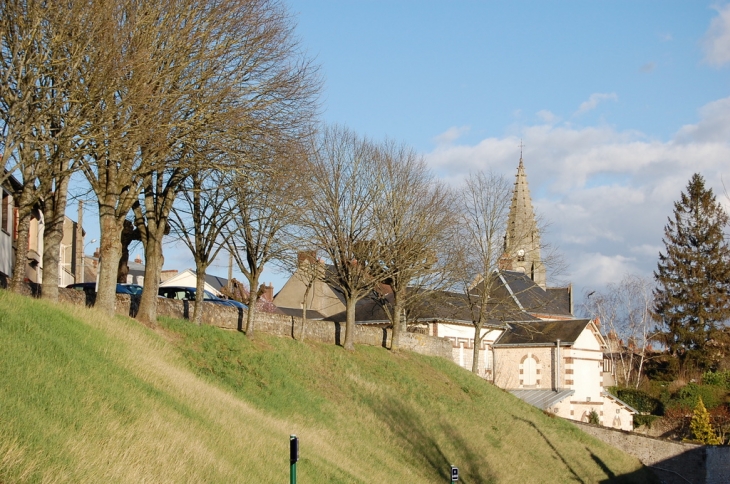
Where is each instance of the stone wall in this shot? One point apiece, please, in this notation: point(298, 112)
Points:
point(289, 326)
point(672, 462)
point(231, 318)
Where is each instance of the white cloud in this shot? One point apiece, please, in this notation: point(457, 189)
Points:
point(593, 101)
point(606, 193)
point(547, 117)
point(451, 134)
point(714, 125)
point(716, 43)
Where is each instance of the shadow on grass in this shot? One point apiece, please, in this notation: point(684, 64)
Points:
point(602, 465)
point(547, 441)
point(421, 440)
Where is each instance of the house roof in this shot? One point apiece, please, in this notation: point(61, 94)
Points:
point(543, 332)
point(620, 402)
point(213, 281)
point(529, 296)
point(435, 306)
point(297, 312)
point(542, 398)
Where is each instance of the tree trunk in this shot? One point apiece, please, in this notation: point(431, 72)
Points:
point(304, 308)
point(475, 354)
point(54, 208)
point(154, 259)
point(110, 251)
point(52, 236)
point(350, 324)
point(253, 297)
point(21, 249)
point(397, 322)
point(200, 269)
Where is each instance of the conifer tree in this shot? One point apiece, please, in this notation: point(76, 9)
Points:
point(691, 300)
point(701, 426)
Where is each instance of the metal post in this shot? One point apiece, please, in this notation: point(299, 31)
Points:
point(293, 458)
point(454, 474)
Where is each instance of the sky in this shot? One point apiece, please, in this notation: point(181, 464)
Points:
point(616, 105)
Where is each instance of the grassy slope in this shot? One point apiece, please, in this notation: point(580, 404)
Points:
point(85, 398)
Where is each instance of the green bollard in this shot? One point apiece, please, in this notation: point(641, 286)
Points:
point(293, 458)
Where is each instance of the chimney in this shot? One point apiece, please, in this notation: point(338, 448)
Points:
point(505, 263)
point(306, 256)
point(267, 292)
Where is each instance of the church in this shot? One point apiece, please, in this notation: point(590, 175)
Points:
point(531, 344)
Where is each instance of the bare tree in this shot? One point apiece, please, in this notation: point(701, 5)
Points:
point(484, 206)
point(199, 219)
point(624, 311)
point(338, 221)
point(163, 77)
point(268, 200)
point(413, 215)
point(244, 81)
point(41, 47)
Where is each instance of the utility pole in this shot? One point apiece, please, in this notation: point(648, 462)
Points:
point(79, 253)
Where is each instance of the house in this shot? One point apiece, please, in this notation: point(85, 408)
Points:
point(557, 365)
point(306, 287)
point(189, 278)
point(9, 236)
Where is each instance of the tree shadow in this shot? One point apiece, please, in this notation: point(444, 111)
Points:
point(606, 470)
point(550, 444)
point(421, 440)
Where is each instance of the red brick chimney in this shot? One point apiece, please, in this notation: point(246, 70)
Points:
point(266, 292)
point(306, 255)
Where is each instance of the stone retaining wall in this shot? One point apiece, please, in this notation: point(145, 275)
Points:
point(231, 318)
point(673, 462)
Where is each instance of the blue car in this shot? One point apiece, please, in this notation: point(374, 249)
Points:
point(90, 288)
point(184, 293)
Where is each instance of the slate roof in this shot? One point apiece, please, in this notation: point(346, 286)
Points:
point(542, 398)
point(543, 333)
point(531, 297)
point(437, 306)
point(297, 312)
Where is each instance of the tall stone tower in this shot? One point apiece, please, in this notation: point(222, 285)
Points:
point(522, 239)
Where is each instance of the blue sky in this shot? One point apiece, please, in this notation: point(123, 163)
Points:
point(617, 103)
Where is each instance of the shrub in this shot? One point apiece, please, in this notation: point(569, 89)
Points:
point(593, 418)
point(717, 379)
point(701, 426)
point(690, 394)
point(641, 401)
point(647, 420)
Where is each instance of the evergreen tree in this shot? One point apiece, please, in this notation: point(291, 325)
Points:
point(691, 301)
point(701, 426)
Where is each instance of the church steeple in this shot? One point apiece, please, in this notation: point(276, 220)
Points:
point(522, 239)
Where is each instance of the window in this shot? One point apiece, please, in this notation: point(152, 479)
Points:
point(4, 215)
point(529, 367)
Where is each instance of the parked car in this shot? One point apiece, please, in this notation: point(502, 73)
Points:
point(188, 294)
point(90, 288)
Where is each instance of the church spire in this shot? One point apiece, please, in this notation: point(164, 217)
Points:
point(522, 239)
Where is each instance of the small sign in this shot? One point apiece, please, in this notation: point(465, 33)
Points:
point(454, 474)
point(293, 449)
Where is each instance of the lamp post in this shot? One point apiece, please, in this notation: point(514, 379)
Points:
point(83, 258)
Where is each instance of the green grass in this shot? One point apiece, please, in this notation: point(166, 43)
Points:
point(86, 398)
